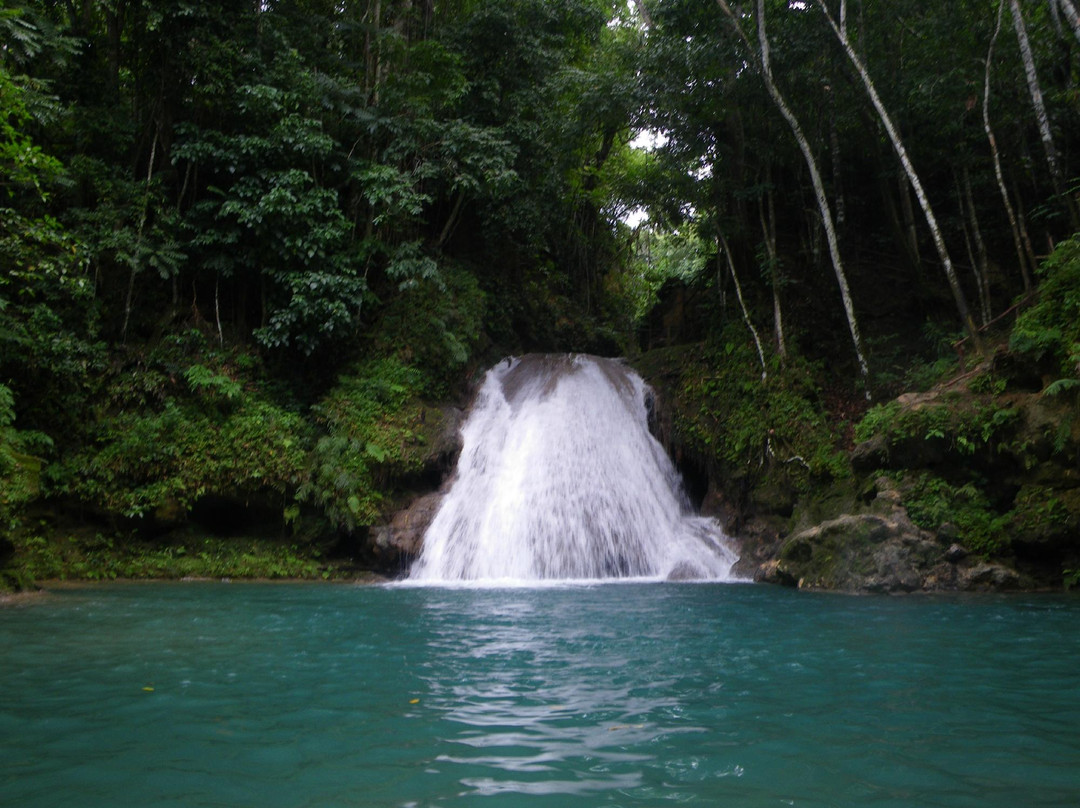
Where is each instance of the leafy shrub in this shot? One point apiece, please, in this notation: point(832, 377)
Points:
point(176, 430)
point(20, 465)
point(729, 413)
point(965, 429)
point(932, 501)
point(1049, 331)
point(376, 428)
point(146, 461)
point(434, 330)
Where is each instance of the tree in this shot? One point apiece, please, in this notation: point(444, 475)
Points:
point(840, 30)
point(1069, 10)
point(1021, 258)
point(762, 57)
point(1035, 91)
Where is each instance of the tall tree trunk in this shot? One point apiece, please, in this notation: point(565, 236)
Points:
point(1035, 91)
point(742, 304)
point(1021, 259)
point(768, 231)
point(1069, 10)
point(973, 239)
point(643, 12)
point(913, 177)
point(971, 261)
point(372, 50)
point(1021, 219)
point(136, 258)
point(762, 55)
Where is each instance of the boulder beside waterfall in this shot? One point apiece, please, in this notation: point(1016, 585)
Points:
point(880, 551)
point(398, 543)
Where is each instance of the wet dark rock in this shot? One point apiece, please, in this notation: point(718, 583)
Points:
point(860, 553)
point(870, 454)
point(986, 576)
point(771, 572)
point(399, 542)
point(955, 553)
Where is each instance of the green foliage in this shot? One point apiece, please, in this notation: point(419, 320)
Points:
point(932, 501)
point(212, 384)
point(20, 465)
point(757, 428)
point(106, 556)
point(166, 445)
point(879, 419)
point(965, 428)
point(661, 256)
point(923, 375)
point(1039, 512)
point(1049, 330)
point(1070, 578)
point(376, 428)
point(435, 330)
point(129, 228)
point(988, 384)
point(25, 168)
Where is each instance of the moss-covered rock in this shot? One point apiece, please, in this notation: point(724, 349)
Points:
point(876, 550)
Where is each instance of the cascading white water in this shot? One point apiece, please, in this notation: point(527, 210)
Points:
point(559, 478)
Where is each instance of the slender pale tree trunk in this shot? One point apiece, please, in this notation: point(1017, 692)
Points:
point(768, 231)
point(1069, 11)
point(762, 54)
point(834, 147)
point(742, 304)
point(909, 169)
point(911, 229)
point(1035, 91)
point(137, 257)
point(979, 260)
point(971, 260)
point(1021, 259)
point(643, 12)
point(1021, 219)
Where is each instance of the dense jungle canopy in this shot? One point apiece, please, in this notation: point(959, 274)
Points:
point(249, 250)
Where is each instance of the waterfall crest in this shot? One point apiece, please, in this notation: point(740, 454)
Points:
point(559, 478)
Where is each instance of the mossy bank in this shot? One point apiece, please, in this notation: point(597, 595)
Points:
point(972, 481)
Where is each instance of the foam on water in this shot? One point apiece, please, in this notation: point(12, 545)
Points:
point(560, 479)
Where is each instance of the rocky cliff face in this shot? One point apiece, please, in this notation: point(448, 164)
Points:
point(880, 550)
point(973, 485)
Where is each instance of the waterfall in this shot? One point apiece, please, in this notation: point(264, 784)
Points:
point(559, 478)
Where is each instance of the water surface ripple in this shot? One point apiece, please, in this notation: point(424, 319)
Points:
point(614, 695)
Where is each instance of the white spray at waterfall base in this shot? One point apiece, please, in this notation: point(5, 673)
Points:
point(559, 478)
